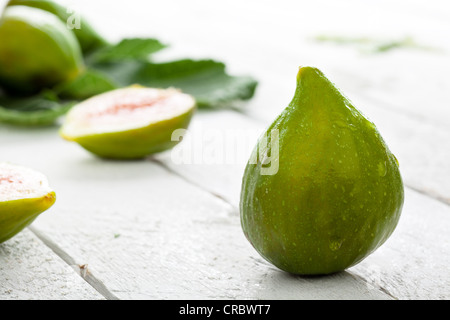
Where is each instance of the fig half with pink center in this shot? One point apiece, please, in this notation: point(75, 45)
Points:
point(24, 195)
point(129, 123)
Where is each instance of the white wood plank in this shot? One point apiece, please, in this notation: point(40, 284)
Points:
point(214, 152)
point(147, 234)
point(31, 271)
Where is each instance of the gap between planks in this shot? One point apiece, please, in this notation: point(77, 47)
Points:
point(81, 270)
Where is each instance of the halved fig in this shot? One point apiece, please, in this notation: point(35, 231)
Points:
point(129, 123)
point(24, 195)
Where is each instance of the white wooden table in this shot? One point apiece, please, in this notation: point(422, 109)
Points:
point(164, 229)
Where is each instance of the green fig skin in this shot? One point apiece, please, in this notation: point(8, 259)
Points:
point(338, 193)
point(137, 143)
point(16, 215)
point(36, 50)
point(88, 38)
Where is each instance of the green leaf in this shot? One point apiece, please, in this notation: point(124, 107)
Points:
point(40, 110)
point(127, 49)
point(206, 80)
point(86, 85)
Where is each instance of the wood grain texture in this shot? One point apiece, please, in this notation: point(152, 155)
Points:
point(29, 270)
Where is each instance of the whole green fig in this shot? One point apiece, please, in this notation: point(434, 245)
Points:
point(36, 50)
point(322, 191)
